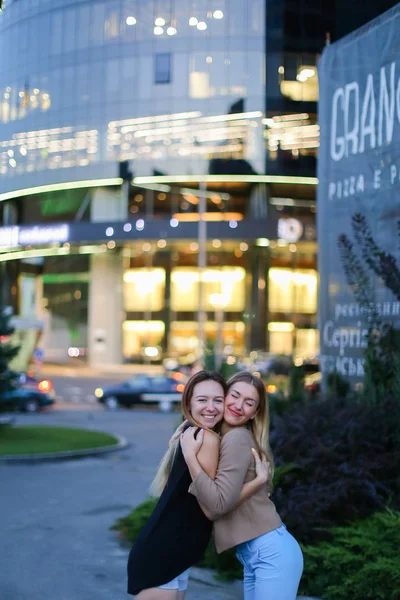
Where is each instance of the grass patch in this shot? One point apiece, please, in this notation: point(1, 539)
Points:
point(39, 440)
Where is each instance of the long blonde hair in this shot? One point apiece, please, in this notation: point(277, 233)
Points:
point(167, 460)
point(259, 425)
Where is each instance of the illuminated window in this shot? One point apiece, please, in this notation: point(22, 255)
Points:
point(111, 24)
point(139, 334)
point(281, 342)
point(27, 288)
point(228, 281)
point(299, 78)
point(184, 336)
point(199, 85)
point(292, 290)
point(144, 289)
point(281, 337)
point(293, 132)
point(214, 74)
point(307, 343)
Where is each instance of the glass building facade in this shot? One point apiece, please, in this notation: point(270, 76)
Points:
point(211, 105)
point(86, 84)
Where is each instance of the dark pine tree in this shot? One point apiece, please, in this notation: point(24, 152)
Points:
point(7, 350)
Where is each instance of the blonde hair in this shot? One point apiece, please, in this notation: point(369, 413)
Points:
point(259, 425)
point(165, 466)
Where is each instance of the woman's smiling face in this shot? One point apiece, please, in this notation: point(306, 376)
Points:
point(241, 404)
point(207, 403)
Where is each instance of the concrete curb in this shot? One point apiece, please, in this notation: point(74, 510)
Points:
point(208, 577)
point(67, 455)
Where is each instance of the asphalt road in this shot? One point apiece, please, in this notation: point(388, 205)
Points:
point(80, 390)
point(55, 517)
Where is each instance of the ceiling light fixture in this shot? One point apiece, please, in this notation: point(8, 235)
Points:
point(158, 30)
point(131, 20)
point(218, 14)
point(193, 21)
point(202, 26)
point(160, 22)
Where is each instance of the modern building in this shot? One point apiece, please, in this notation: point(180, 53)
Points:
point(157, 168)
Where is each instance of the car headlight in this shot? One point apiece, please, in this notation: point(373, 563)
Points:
point(44, 386)
point(98, 392)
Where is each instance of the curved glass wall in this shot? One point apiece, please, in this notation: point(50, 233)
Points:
point(168, 85)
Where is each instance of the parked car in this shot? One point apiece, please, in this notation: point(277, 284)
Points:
point(28, 394)
point(142, 389)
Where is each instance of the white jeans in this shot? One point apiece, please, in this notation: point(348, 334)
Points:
point(180, 583)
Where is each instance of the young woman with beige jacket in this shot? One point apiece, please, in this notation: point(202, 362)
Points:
point(271, 557)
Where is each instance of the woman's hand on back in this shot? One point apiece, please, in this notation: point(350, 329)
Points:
point(190, 444)
point(263, 468)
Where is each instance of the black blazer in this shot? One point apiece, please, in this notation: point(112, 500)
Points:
point(174, 538)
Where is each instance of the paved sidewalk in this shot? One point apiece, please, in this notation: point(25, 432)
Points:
point(211, 588)
point(203, 582)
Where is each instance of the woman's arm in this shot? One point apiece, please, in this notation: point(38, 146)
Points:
point(221, 495)
point(208, 455)
point(207, 459)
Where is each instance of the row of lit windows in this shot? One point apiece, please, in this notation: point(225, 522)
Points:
point(162, 137)
point(184, 338)
point(165, 136)
point(288, 290)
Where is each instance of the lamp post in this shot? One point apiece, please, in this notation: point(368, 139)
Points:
point(219, 302)
point(202, 261)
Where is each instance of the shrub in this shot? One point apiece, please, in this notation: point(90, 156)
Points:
point(360, 563)
point(131, 525)
point(296, 384)
point(337, 385)
point(279, 404)
point(346, 458)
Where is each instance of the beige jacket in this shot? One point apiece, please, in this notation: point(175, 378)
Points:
point(255, 516)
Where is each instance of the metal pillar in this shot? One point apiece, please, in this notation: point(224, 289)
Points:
point(202, 262)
